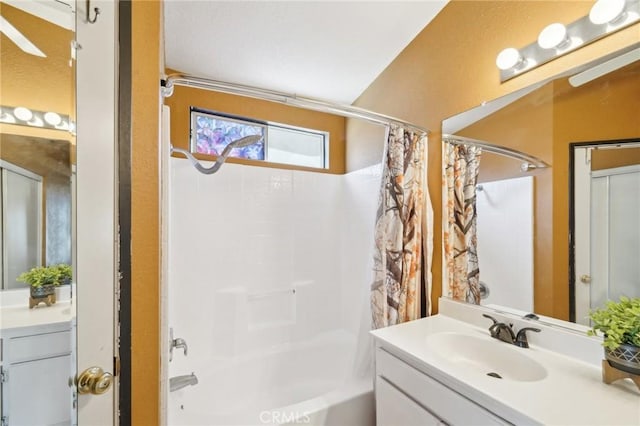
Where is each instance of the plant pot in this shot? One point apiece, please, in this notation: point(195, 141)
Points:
point(45, 293)
point(625, 358)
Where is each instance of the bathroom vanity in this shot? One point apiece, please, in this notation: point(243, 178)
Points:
point(446, 369)
point(36, 364)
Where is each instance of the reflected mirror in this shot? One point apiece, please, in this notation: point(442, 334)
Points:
point(532, 229)
point(37, 156)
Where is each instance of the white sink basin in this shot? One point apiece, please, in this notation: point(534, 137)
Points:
point(486, 356)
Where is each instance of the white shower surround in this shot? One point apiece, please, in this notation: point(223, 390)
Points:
point(269, 273)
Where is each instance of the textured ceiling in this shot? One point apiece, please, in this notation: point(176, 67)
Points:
point(331, 50)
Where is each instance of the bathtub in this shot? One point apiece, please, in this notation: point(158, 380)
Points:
point(308, 382)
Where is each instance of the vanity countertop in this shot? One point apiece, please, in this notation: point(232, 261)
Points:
point(21, 316)
point(572, 393)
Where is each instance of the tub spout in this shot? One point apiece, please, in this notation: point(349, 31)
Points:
point(179, 382)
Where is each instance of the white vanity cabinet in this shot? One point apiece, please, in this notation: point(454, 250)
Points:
point(36, 364)
point(406, 396)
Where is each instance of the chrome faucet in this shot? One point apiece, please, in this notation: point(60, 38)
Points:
point(500, 330)
point(504, 332)
point(179, 382)
point(176, 343)
point(521, 337)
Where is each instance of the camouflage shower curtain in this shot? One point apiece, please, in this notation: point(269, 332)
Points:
point(460, 175)
point(402, 257)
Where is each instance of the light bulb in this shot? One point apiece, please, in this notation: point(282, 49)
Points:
point(22, 113)
point(605, 11)
point(508, 58)
point(52, 118)
point(554, 35)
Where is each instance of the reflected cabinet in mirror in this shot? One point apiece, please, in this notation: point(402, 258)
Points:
point(561, 240)
point(37, 163)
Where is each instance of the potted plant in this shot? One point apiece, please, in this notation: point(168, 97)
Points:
point(620, 324)
point(43, 280)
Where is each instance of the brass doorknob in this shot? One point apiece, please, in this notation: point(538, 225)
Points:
point(94, 380)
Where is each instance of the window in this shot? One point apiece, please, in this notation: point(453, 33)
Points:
point(211, 132)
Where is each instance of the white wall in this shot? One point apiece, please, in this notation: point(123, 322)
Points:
point(505, 241)
point(242, 240)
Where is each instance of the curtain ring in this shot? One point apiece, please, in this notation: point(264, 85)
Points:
point(96, 10)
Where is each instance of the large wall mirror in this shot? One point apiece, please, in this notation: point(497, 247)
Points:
point(561, 240)
point(37, 157)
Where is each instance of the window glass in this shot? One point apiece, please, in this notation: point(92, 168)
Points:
point(211, 132)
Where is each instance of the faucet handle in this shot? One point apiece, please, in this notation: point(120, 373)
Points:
point(521, 338)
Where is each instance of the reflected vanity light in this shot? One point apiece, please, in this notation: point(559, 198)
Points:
point(52, 118)
point(22, 113)
point(606, 17)
point(26, 117)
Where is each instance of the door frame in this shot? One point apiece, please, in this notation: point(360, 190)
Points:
point(105, 185)
point(572, 212)
point(124, 208)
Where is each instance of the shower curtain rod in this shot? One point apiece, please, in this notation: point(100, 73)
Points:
point(529, 162)
point(283, 98)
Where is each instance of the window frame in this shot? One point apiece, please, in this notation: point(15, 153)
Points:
point(194, 112)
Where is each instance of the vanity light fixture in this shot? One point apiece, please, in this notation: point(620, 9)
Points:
point(22, 113)
point(557, 39)
point(606, 11)
point(509, 58)
point(52, 118)
point(553, 36)
point(26, 117)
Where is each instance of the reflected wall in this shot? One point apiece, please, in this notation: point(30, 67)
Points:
point(544, 123)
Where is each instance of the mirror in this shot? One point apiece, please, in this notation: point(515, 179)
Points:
point(36, 145)
point(605, 226)
point(551, 121)
point(37, 156)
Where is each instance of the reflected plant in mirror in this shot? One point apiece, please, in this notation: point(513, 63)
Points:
point(534, 225)
point(37, 192)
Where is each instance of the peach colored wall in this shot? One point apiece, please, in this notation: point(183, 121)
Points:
point(526, 125)
point(606, 108)
point(44, 84)
point(609, 159)
point(185, 97)
point(145, 221)
point(450, 67)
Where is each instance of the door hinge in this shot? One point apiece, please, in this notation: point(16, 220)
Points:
point(4, 375)
point(116, 366)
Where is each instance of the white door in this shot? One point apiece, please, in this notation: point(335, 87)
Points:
point(582, 237)
point(96, 203)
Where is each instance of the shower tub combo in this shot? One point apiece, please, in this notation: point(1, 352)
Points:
point(269, 273)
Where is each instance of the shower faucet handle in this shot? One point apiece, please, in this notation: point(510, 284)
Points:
point(176, 343)
point(180, 343)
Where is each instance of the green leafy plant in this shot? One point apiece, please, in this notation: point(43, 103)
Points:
point(619, 322)
point(46, 275)
point(64, 272)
